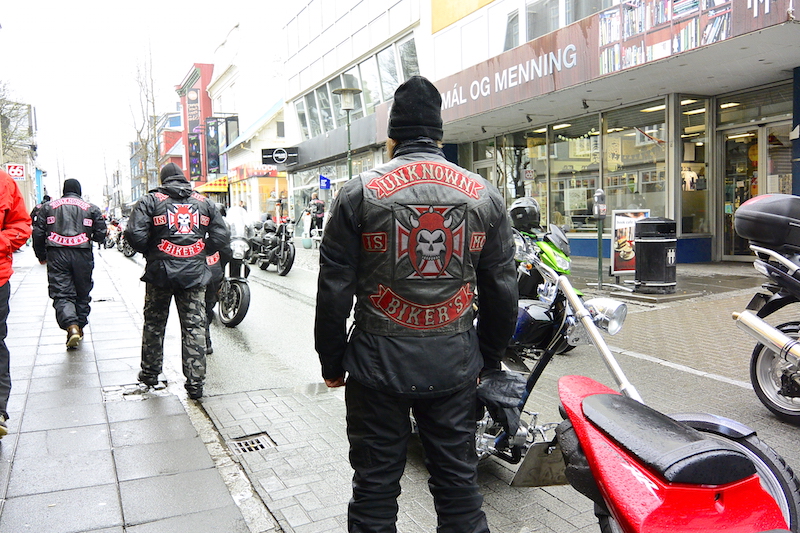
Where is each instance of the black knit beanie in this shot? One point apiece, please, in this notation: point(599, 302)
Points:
point(170, 170)
point(73, 186)
point(416, 111)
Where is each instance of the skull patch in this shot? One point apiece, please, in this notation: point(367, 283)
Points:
point(183, 218)
point(432, 240)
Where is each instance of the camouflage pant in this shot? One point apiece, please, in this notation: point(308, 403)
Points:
point(192, 314)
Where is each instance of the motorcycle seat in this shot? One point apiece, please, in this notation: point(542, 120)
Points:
point(677, 452)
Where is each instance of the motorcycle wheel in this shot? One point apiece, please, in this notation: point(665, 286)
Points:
point(766, 369)
point(234, 300)
point(127, 251)
point(109, 243)
point(286, 260)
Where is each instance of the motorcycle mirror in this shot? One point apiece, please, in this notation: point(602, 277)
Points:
point(608, 314)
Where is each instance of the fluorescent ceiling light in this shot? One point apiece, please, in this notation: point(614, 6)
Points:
point(695, 111)
point(741, 136)
point(561, 126)
point(540, 130)
point(729, 104)
point(687, 102)
point(654, 108)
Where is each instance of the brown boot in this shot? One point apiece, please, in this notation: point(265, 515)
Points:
point(74, 336)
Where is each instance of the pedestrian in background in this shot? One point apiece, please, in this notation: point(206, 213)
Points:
point(175, 229)
point(413, 255)
point(15, 228)
point(316, 208)
point(62, 239)
point(37, 207)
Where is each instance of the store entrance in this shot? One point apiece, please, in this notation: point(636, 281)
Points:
point(757, 160)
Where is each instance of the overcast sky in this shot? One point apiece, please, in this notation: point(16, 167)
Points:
point(76, 63)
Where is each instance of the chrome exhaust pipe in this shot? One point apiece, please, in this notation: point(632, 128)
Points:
point(787, 347)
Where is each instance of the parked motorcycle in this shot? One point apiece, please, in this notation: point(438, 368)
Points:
point(234, 291)
point(273, 245)
point(769, 223)
point(646, 471)
point(122, 244)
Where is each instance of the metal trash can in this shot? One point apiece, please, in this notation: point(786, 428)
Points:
point(655, 245)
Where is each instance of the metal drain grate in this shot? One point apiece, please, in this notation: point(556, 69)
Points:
point(251, 443)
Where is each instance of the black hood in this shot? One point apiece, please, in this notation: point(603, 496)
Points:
point(171, 171)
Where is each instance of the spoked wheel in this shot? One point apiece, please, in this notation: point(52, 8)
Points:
point(286, 260)
point(234, 300)
point(768, 369)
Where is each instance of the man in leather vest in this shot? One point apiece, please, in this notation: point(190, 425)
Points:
point(62, 238)
point(412, 240)
point(175, 229)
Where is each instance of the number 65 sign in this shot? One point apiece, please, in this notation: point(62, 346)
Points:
point(16, 171)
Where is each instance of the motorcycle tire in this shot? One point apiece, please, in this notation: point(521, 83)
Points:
point(766, 369)
point(777, 478)
point(127, 251)
point(108, 244)
point(286, 260)
point(234, 301)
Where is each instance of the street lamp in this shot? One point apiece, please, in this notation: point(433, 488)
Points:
point(348, 97)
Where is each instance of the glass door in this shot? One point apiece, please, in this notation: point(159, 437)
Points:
point(741, 183)
point(779, 159)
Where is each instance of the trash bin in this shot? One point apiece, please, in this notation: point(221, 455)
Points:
point(655, 246)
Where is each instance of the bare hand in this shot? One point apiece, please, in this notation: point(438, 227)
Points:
point(333, 383)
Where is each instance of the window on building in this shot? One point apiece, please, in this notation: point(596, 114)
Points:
point(635, 147)
point(281, 130)
point(300, 109)
point(756, 105)
point(312, 112)
point(574, 167)
point(523, 167)
point(512, 31)
point(387, 66)
point(575, 10)
point(408, 58)
point(371, 84)
point(325, 110)
point(694, 184)
point(541, 17)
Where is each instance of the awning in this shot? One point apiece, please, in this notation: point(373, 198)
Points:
point(218, 185)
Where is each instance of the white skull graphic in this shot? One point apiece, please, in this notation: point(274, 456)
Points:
point(431, 245)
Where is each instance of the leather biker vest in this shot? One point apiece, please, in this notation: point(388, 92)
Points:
point(69, 222)
point(424, 223)
point(179, 227)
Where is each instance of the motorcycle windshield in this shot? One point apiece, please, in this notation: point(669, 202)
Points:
point(238, 219)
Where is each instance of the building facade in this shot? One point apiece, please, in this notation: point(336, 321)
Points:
point(682, 108)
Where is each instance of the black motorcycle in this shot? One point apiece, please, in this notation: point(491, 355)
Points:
point(770, 223)
point(234, 291)
point(273, 245)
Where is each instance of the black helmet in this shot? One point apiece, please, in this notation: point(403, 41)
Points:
point(525, 214)
point(222, 209)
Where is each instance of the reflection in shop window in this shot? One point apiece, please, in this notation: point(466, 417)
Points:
point(574, 171)
point(580, 9)
point(694, 182)
point(542, 18)
point(371, 84)
point(325, 111)
point(523, 168)
point(388, 71)
point(313, 115)
point(408, 58)
point(512, 31)
point(635, 146)
point(300, 107)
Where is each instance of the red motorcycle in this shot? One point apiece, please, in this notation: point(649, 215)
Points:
point(649, 472)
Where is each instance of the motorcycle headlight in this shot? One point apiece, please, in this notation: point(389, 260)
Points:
point(239, 249)
point(519, 245)
point(607, 314)
point(562, 262)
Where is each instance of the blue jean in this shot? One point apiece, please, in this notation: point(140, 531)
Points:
point(5, 370)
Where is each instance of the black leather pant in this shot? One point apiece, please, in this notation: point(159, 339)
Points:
point(378, 428)
point(69, 276)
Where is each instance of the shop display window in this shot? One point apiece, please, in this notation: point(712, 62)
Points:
point(574, 172)
point(635, 144)
point(695, 197)
point(522, 168)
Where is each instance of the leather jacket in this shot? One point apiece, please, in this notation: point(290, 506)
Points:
point(412, 240)
point(175, 229)
point(68, 222)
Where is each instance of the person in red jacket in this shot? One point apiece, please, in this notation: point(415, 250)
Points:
point(15, 228)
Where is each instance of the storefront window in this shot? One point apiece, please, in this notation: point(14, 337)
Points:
point(761, 104)
point(635, 147)
point(694, 166)
point(574, 168)
point(523, 167)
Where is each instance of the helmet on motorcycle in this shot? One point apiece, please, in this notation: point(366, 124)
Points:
point(222, 209)
point(525, 214)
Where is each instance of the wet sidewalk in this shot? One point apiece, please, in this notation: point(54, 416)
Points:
point(87, 450)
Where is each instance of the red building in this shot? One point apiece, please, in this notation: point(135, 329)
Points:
point(196, 106)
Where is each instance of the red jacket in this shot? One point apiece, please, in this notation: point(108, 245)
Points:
point(15, 224)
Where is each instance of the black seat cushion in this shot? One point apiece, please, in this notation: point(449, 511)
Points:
point(679, 453)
